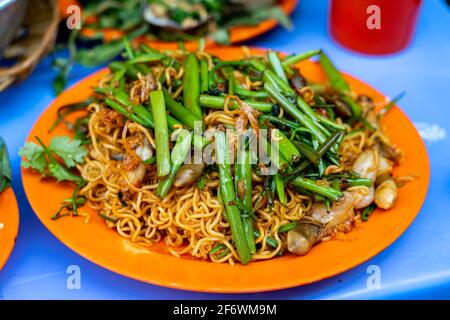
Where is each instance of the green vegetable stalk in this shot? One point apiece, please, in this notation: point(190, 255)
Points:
point(179, 153)
point(191, 80)
point(214, 102)
point(338, 82)
point(243, 179)
point(158, 107)
point(312, 186)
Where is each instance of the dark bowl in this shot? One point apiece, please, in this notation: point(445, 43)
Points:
point(12, 13)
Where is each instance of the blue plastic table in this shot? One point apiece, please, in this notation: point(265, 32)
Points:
point(417, 265)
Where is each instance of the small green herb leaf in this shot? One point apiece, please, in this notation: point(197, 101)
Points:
point(71, 152)
point(34, 157)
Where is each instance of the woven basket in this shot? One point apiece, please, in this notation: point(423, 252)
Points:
point(41, 22)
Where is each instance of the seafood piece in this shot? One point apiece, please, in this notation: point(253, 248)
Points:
point(322, 222)
point(366, 165)
point(364, 199)
point(136, 176)
point(188, 174)
point(386, 194)
point(301, 239)
point(158, 15)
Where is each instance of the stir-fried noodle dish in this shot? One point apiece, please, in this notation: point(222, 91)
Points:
point(226, 161)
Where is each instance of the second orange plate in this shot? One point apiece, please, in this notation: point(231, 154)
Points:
point(237, 34)
point(103, 246)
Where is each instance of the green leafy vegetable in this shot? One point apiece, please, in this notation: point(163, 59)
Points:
point(367, 211)
point(34, 157)
point(391, 103)
point(89, 57)
point(71, 152)
point(43, 159)
point(5, 170)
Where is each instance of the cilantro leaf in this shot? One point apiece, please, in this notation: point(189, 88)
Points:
point(34, 157)
point(60, 173)
point(71, 152)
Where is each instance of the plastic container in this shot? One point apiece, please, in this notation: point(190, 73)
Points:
point(373, 26)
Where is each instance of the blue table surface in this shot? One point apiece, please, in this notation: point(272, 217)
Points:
point(417, 265)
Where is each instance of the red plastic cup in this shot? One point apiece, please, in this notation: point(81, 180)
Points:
point(373, 26)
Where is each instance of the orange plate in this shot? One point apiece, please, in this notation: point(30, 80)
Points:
point(240, 34)
point(237, 34)
point(105, 247)
point(9, 224)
